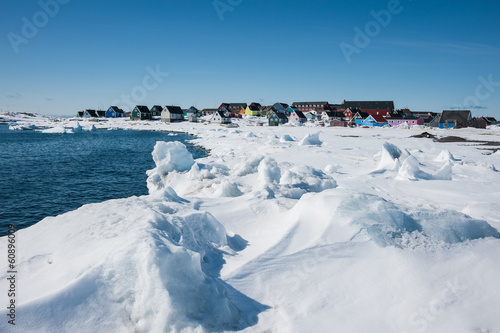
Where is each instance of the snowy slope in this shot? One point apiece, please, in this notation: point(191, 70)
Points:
point(286, 229)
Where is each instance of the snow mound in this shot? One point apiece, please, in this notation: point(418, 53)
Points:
point(445, 156)
point(340, 216)
point(454, 227)
point(172, 156)
point(227, 189)
point(249, 166)
point(410, 170)
point(286, 138)
point(269, 172)
point(129, 265)
point(311, 140)
point(168, 157)
point(299, 180)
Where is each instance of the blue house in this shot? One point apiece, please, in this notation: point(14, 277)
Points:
point(115, 112)
point(374, 121)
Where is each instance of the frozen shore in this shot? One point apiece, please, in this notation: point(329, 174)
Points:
point(284, 229)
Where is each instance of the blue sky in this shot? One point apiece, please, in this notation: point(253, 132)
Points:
point(425, 55)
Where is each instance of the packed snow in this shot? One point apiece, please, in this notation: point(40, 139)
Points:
point(344, 230)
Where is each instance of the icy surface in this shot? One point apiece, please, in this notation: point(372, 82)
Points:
point(365, 230)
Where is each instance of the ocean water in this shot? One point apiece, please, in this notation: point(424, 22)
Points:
point(49, 174)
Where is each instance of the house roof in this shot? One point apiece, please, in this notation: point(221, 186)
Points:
point(234, 106)
point(80, 113)
point(279, 105)
point(174, 109)
point(92, 113)
point(158, 107)
point(334, 114)
point(280, 115)
point(460, 116)
point(142, 108)
point(209, 110)
point(256, 104)
point(221, 114)
point(369, 105)
point(101, 113)
point(362, 114)
point(115, 108)
point(299, 114)
point(490, 119)
point(253, 108)
point(379, 118)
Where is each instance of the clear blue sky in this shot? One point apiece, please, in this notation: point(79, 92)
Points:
point(430, 55)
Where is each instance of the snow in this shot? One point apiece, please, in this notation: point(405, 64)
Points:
point(365, 230)
point(311, 140)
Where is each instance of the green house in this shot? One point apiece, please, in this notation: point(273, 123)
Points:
point(141, 112)
point(156, 111)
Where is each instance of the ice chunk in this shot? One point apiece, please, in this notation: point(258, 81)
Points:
point(445, 156)
point(269, 172)
point(389, 159)
point(171, 156)
point(227, 189)
point(445, 172)
point(286, 138)
point(56, 130)
point(311, 140)
point(410, 170)
point(249, 166)
point(299, 180)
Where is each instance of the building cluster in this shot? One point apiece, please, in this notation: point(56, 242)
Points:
point(346, 114)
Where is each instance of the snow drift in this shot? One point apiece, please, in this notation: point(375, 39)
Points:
point(144, 264)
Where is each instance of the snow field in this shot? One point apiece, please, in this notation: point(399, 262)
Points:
point(359, 230)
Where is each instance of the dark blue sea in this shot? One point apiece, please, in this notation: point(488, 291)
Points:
point(50, 174)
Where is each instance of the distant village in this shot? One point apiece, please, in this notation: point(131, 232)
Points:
point(347, 114)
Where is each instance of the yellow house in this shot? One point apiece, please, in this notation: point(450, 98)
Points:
point(252, 110)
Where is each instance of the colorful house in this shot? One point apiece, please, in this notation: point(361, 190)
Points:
point(79, 114)
point(454, 118)
point(101, 113)
point(297, 116)
point(412, 121)
point(280, 106)
point(374, 121)
point(359, 117)
point(171, 114)
point(232, 108)
point(156, 111)
point(140, 112)
point(490, 120)
point(115, 112)
point(252, 110)
point(277, 118)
